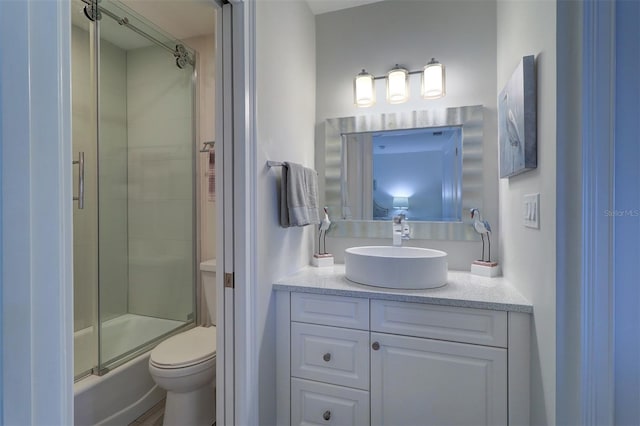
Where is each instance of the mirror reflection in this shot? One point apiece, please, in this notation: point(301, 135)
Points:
point(416, 172)
point(424, 164)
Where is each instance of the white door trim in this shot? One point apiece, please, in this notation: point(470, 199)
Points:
point(244, 196)
point(597, 192)
point(585, 333)
point(625, 218)
point(237, 364)
point(224, 222)
point(37, 281)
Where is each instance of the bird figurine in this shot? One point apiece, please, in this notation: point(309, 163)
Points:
point(322, 234)
point(482, 227)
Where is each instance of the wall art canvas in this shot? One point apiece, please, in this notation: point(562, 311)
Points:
point(517, 121)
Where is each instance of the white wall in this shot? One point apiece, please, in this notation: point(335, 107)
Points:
point(285, 116)
point(460, 34)
point(529, 255)
point(160, 176)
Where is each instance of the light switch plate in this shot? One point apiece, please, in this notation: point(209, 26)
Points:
point(531, 211)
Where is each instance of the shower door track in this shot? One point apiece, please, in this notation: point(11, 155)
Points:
point(180, 52)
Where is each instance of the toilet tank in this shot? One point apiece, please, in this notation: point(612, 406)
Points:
point(208, 279)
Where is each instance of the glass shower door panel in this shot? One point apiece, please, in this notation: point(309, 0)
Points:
point(113, 220)
point(146, 163)
point(161, 179)
point(85, 219)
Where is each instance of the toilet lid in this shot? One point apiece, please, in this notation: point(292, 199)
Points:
point(187, 348)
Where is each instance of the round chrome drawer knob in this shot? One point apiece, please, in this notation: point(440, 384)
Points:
point(375, 346)
point(327, 415)
point(327, 357)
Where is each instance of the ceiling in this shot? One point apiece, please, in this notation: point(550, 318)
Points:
point(191, 18)
point(319, 7)
point(183, 19)
point(414, 140)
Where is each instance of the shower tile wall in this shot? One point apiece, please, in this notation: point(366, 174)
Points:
point(206, 67)
point(113, 234)
point(160, 199)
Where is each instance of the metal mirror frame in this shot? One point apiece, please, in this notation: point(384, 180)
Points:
point(470, 118)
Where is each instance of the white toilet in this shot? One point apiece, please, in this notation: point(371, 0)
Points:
point(185, 366)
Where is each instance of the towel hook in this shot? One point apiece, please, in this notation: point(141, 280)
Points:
point(206, 146)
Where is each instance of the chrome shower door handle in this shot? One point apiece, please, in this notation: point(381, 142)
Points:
point(80, 163)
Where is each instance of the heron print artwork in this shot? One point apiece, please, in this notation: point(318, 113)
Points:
point(517, 121)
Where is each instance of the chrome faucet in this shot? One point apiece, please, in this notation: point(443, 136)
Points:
point(401, 230)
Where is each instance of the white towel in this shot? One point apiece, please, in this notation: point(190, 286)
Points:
point(298, 196)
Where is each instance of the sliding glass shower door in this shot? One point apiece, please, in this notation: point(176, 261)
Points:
point(139, 214)
point(85, 217)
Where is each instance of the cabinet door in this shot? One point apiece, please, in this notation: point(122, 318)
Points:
point(431, 382)
point(315, 403)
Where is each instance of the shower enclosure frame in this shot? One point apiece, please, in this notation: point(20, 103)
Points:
point(101, 366)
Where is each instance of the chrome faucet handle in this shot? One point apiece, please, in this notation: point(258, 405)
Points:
point(398, 219)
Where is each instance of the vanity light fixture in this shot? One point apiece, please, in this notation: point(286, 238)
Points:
point(401, 203)
point(397, 85)
point(433, 84)
point(433, 80)
point(364, 93)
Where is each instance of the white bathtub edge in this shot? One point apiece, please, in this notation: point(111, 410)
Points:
point(135, 410)
point(128, 391)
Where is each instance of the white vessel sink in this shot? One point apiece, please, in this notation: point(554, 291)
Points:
point(396, 267)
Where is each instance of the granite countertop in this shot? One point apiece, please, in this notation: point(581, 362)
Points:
point(462, 289)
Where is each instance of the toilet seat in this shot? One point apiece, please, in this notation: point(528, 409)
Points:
point(190, 348)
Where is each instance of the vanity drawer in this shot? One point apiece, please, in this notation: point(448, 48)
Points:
point(332, 355)
point(314, 403)
point(339, 311)
point(478, 326)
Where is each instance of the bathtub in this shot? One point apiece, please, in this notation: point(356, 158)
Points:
point(125, 393)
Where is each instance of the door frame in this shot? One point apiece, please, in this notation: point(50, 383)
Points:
point(585, 241)
point(37, 211)
point(235, 112)
point(243, 328)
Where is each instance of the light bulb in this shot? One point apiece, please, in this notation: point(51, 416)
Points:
point(433, 80)
point(364, 94)
point(397, 85)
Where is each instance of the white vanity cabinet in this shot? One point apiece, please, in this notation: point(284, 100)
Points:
point(328, 349)
point(447, 375)
point(357, 361)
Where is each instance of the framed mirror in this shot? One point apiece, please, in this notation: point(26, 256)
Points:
point(424, 164)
